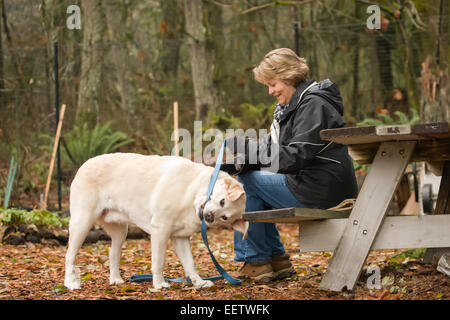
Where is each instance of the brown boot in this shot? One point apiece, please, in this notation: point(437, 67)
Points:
point(257, 271)
point(282, 267)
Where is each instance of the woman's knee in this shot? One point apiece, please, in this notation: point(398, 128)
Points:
point(247, 178)
point(249, 182)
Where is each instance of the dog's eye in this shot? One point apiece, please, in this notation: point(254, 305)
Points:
point(222, 202)
point(224, 218)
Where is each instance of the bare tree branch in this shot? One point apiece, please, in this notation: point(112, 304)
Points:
point(223, 4)
point(258, 7)
point(275, 2)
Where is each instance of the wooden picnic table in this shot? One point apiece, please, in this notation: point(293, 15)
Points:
point(353, 233)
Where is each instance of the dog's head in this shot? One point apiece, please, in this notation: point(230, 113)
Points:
point(226, 206)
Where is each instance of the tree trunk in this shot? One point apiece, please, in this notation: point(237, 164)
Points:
point(202, 59)
point(11, 48)
point(120, 59)
point(49, 33)
point(92, 56)
point(171, 29)
point(383, 51)
point(173, 22)
point(2, 75)
point(434, 80)
point(356, 107)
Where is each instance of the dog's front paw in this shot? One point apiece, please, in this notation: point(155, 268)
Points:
point(203, 284)
point(116, 280)
point(72, 285)
point(160, 284)
point(72, 278)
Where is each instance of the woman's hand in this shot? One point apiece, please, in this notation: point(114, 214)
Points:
point(237, 144)
point(234, 167)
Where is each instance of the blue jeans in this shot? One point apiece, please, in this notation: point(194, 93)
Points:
point(262, 189)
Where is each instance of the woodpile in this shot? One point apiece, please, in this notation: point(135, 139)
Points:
point(20, 234)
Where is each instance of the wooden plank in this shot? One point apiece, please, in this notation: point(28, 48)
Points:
point(437, 129)
point(443, 199)
point(175, 129)
point(371, 134)
point(432, 255)
point(367, 215)
point(397, 232)
point(438, 150)
point(293, 215)
point(43, 205)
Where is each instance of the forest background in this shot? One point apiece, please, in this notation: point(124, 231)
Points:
point(122, 70)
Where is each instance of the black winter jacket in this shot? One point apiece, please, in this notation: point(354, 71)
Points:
point(319, 173)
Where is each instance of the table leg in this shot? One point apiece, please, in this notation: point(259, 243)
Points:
point(433, 255)
point(367, 215)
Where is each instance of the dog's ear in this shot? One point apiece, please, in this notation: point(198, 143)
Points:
point(241, 226)
point(234, 189)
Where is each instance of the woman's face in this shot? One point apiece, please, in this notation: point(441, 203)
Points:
point(280, 90)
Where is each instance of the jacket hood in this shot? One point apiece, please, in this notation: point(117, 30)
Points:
point(329, 91)
point(326, 89)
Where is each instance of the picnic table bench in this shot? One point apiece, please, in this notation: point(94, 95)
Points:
point(351, 234)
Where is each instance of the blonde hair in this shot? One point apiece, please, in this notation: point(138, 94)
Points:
point(282, 64)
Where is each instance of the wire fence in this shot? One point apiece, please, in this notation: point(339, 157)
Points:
point(375, 71)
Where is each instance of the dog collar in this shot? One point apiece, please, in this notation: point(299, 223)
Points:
point(200, 211)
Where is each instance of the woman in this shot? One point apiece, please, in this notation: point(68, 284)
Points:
point(303, 170)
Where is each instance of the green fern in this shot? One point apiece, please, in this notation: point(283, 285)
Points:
point(82, 143)
point(370, 122)
point(247, 116)
point(223, 121)
point(159, 141)
point(402, 118)
point(384, 119)
point(13, 216)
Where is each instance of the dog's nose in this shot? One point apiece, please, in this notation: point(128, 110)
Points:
point(209, 217)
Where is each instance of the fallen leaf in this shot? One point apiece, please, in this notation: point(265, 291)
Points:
point(383, 294)
point(87, 277)
point(127, 289)
point(60, 289)
point(387, 281)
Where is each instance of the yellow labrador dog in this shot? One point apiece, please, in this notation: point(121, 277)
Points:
point(163, 195)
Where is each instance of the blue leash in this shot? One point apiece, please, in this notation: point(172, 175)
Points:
point(223, 273)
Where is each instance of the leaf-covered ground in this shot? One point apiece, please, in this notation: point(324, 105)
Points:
point(36, 271)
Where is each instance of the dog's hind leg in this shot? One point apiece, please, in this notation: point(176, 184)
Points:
point(79, 227)
point(182, 247)
point(118, 233)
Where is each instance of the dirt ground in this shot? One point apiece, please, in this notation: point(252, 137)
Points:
point(36, 272)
